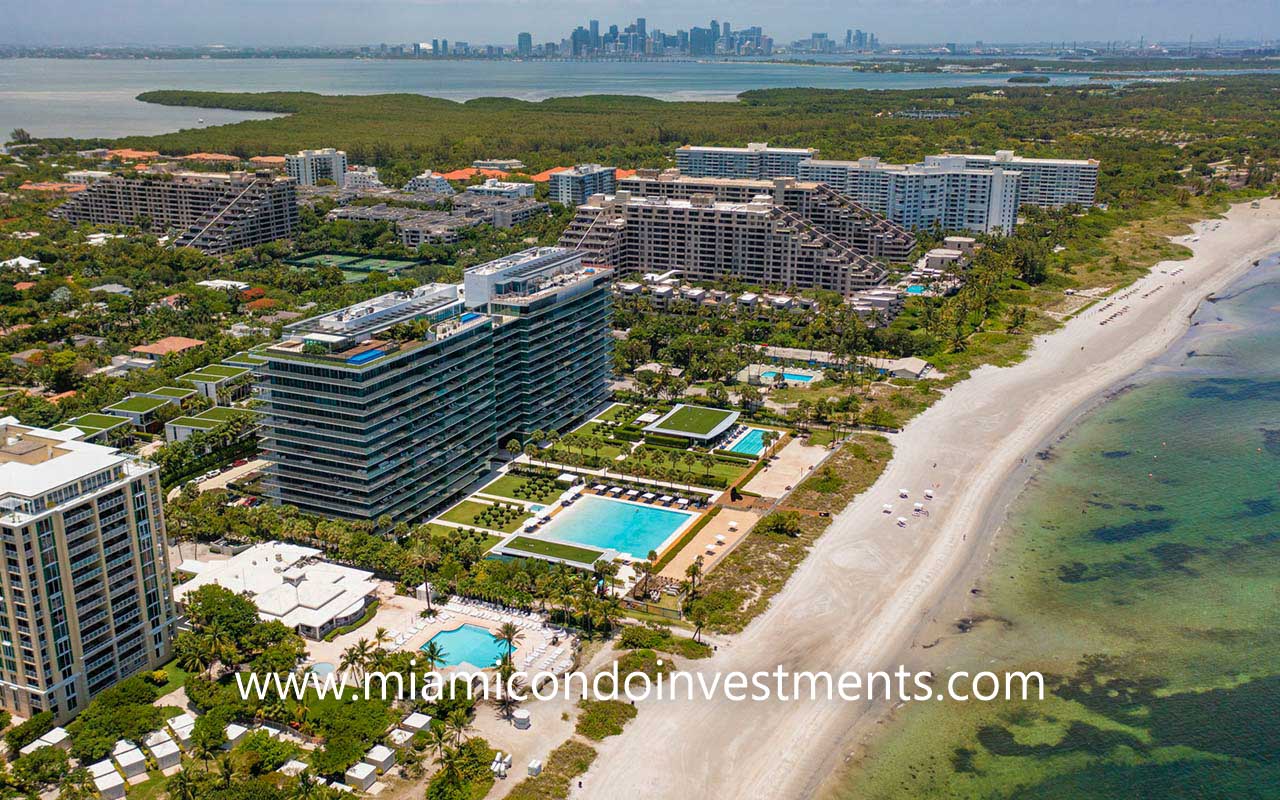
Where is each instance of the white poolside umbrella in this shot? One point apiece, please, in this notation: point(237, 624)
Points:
point(928, 493)
point(902, 521)
point(903, 492)
point(887, 507)
point(719, 538)
point(919, 506)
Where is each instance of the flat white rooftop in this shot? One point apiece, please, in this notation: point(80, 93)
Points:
point(287, 582)
point(34, 461)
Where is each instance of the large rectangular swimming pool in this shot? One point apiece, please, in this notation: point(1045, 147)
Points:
point(608, 524)
point(795, 377)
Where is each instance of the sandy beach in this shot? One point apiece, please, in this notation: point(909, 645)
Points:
point(870, 594)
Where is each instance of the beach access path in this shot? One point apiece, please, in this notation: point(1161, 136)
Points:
point(870, 591)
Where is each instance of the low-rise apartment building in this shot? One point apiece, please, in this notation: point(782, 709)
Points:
point(86, 594)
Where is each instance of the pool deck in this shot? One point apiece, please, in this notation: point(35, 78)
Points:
point(718, 526)
point(400, 613)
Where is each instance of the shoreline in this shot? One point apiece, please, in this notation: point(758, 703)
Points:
point(892, 589)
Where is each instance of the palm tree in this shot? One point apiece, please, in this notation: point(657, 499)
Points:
point(181, 786)
point(306, 787)
point(437, 741)
point(457, 725)
point(195, 659)
point(219, 645)
point(77, 784)
point(509, 634)
point(693, 572)
point(433, 655)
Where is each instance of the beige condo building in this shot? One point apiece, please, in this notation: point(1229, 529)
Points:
point(85, 595)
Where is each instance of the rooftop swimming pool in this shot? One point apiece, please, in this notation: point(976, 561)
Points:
point(609, 524)
point(750, 445)
point(468, 644)
point(786, 376)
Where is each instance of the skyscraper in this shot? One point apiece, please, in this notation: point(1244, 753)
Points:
point(87, 599)
point(524, 44)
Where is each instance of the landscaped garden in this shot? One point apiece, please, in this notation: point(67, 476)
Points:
point(505, 517)
point(580, 555)
point(532, 488)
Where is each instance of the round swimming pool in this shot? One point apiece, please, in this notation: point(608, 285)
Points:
point(322, 668)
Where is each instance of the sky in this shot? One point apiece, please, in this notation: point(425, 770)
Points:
point(329, 22)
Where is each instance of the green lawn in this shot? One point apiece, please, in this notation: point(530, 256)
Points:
point(540, 547)
point(222, 413)
point(172, 391)
point(697, 420)
point(198, 423)
point(177, 675)
point(138, 405)
point(509, 485)
point(469, 511)
point(92, 423)
point(223, 371)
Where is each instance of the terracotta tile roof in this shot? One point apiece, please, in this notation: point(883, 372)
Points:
point(59, 397)
point(619, 174)
point(213, 157)
point(167, 345)
point(545, 175)
point(129, 154)
point(52, 186)
point(270, 161)
point(471, 172)
point(22, 286)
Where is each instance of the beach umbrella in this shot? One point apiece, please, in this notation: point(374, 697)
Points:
point(903, 492)
point(887, 508)
point(902, 521)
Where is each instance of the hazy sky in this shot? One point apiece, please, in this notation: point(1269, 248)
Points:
point(494, 21)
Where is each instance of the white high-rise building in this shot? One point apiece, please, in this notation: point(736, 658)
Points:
point(572, 187)
point(85, 598)
point(309, 167)
point(362, 178)
point(1046, 182)
point(940, 192)
point(757, 160)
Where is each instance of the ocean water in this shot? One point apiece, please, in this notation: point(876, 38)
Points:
point(83, 98)
point(1140, 570)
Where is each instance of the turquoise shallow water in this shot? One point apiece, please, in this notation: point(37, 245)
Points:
point(1151, 544)
point(468, 644)
point(1140, 570)
point(611, 524)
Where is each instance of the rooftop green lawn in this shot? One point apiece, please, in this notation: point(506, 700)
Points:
point(94, 423)
point(541, 547)
point(138, 405)
point(692, 419)
point(195, 422)
point(244, 358)
point(172, 391)
point(222, 413)
point(223, 370)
